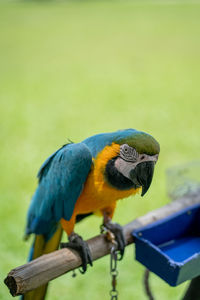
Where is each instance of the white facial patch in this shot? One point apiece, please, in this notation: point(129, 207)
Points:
point(125, 167)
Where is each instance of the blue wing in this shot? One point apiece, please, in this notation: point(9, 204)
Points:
point(61, 180)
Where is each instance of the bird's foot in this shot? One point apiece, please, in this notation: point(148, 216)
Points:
point(77, 243)
point(116, 230)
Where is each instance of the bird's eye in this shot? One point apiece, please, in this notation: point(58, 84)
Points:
point(125, 148)
point(128, 153)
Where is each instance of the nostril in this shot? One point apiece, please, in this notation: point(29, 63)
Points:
point(142, 157)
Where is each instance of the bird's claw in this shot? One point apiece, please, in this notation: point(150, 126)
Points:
point(116, 230)
point(77, 243)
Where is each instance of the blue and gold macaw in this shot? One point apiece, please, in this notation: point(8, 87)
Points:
point(83, 178)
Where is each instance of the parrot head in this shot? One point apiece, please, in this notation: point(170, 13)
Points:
point(133, 164)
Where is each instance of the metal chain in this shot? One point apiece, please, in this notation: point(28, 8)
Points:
point(147, 286)
point(113, 261)
point(113, 272)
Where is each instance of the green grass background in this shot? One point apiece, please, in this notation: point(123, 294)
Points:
point(74, 69)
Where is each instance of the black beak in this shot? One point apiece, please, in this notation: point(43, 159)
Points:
point(142, 175)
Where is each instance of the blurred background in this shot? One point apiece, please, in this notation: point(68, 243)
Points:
point(71, 69)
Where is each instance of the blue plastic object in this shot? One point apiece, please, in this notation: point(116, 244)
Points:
point(171, 247)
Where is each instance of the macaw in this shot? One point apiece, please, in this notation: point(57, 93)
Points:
point(80, 179)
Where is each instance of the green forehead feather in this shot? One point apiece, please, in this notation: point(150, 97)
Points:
point(142, 142)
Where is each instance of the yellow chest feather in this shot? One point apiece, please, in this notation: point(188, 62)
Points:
point(97, 193)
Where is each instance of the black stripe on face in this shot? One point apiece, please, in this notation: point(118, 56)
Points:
point(116, 179)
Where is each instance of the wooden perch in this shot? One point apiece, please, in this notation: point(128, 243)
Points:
point(50, 266)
